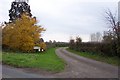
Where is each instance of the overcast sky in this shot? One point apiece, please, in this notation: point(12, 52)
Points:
point(63, 19)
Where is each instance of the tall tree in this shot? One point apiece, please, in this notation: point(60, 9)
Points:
point(115, 28)
point(93, 37)
point(96, 37)
point(22, 34)
point(17, 8)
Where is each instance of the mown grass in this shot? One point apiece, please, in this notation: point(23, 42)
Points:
point(110, 60)
point(47, 60)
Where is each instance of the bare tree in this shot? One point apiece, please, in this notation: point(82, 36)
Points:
point(113, 22)
point(115, 26)
point(92, 37)
point(96, 37)
point(111, 18)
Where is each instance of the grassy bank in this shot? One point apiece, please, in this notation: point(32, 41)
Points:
point(47, 60)
point(109, 60)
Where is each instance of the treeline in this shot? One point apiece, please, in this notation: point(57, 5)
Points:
point(108, 46)
point(102, 48)
point(54, 44)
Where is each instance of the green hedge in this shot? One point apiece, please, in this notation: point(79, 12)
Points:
point(108, 49)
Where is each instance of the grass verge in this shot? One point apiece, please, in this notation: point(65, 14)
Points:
point(110, 60)
point(47, 60)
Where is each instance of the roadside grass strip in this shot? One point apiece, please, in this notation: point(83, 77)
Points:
point(110, 60)
point(47, 60)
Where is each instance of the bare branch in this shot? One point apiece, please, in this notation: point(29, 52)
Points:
point(111, 18)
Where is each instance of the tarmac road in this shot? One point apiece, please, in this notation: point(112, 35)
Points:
point(10, 72)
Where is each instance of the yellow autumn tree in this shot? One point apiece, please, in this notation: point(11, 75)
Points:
point(22, 34)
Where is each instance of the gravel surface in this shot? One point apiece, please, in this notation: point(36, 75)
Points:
point(80, 67)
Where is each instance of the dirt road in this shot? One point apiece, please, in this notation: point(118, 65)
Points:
point(80, 67)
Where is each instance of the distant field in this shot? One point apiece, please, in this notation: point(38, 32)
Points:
point(47, 60)
point(109, 60)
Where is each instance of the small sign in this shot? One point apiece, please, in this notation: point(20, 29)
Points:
point(36, 48)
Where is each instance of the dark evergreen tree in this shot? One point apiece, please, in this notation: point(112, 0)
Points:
point(41, 40)
point(17, 8)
